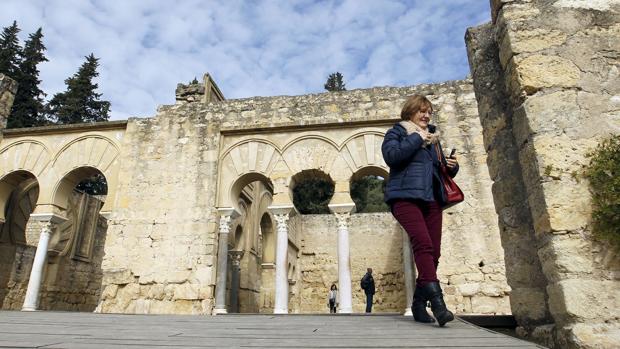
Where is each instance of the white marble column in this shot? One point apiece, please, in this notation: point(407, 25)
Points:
point(409, 272)
point(343, 215)
point(281, 215)
point(31, 302)
point(226, 216)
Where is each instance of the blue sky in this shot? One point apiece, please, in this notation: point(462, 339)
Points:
point(251, 48)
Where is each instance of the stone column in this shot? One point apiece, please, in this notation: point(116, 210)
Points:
point(409, 271)
point(235, 258)
point(226, 216)
point(343, 212)
point(281, 214)
point(31, 302)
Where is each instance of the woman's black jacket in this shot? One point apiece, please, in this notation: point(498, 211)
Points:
point(414, 168)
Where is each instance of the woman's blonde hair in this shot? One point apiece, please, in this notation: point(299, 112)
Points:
point(413, 105)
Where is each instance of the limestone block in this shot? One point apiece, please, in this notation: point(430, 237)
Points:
point(489, 305)
point(528, 303)
point(469, 289)
point(599, 5)
point(119, 276)
point(566, 254)
point(186, 291)
point(590, 336)
point(582, 299)
point(515, 42)
point(109, 292)
point(535, 72)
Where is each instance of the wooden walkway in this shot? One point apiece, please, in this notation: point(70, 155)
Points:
point(88, 330)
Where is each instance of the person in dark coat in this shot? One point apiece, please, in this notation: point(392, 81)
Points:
point(415, 195)
point(368, 285)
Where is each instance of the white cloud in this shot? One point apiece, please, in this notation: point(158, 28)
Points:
point(260, 48)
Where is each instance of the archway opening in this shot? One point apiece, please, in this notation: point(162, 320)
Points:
point(76, 247)
point(19, 192)
point(252, 193)
point(312, 191)
point(367, 187)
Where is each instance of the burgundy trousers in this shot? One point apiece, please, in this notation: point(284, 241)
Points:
point(422, 222)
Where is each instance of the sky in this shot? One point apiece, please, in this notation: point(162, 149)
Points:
point(250, 48)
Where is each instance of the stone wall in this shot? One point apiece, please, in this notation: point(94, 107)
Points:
point(546, 78)
point(471, 286)
point(160, 252)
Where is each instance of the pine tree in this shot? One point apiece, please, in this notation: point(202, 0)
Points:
point(80, 102)
point(334, 83)
point(28, 105)
point(9, 51)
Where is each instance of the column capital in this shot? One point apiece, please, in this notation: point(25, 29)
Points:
point(236, 256)
point(282, 209)
point(52, 218)
point(227, 214)
point(348, 207)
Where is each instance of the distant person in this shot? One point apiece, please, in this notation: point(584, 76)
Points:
point(414, 192)
point(368, 285)
point(333, 299)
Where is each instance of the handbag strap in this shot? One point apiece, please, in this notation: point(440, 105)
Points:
point(441, 164)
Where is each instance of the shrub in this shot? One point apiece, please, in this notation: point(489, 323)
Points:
point(604, 176)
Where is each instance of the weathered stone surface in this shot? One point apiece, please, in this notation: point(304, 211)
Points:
point(535, 72)
point(8, 88)
point(559, 68)
point(574, 299)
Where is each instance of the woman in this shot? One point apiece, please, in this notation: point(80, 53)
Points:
point(333, 298)
point(416, 197)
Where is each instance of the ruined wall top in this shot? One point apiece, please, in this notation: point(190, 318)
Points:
point(8, 88)
point(312, 109)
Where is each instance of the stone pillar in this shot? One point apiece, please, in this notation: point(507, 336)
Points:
point(8, 89)
point(226, 216)
point(281, 214)
point(343, 215)
point(548, 93)
point(409, 270)
point(31, 302)
point(235, 258)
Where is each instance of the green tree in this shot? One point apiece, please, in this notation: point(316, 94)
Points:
point(10, 51)
point(311, 196)
point(334, 83)
point(367, 193)
point(80, 102)
point(27, 108)
point(95, 185)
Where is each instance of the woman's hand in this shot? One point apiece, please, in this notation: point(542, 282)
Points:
point(452, 162)
point(426, 136)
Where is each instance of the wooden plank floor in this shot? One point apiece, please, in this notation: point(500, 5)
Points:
point(88, 330)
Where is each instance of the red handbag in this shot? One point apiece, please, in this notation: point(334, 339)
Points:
point(454, 194)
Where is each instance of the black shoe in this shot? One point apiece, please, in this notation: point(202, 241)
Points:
point(432, 292)
point(418, 307)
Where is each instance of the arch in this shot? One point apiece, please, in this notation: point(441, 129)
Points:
point(8, 183)
point(310, 152)
point(366, 194)
point(252, 155)
point(363, 150)
point(26, 155)
point(82, 157)
point(314, 176)
point(238, 184)
point(19, 193)
point(268, 239)
point(70, 180)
